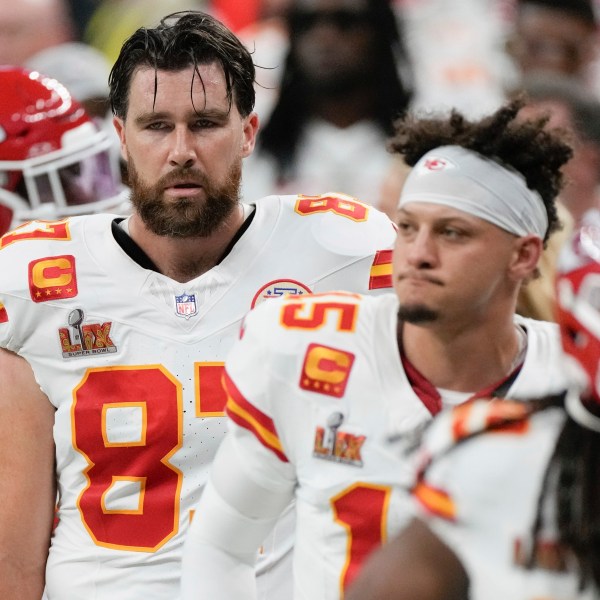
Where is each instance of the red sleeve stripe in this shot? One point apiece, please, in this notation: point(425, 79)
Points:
point(244, 414)
point(435, 501)
point(3, 314)
point(381, 271)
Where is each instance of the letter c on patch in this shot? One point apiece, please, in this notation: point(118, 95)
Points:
point(52, 272)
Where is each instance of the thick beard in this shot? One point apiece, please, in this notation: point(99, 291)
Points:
point(185, 217)
point(417, 314)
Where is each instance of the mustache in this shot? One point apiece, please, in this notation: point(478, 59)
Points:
point(189, 175)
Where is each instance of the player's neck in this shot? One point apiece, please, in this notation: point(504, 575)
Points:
point(184, 259)
point(469, 360)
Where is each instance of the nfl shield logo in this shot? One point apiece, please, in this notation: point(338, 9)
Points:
point(185, 305)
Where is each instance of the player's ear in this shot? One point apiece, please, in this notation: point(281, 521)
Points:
point(119, 126)
point(250, 129)
point(526, 256)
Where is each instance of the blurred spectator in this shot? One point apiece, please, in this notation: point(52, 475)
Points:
point(268, 9)
point(345, 80)
point(267, 40)
point(457, 52)
point(559, 36)
point(28, 26)
point(569, 106)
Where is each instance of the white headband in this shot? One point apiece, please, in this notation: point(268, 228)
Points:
point(462, 179)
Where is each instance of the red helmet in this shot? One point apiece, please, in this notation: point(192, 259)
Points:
point(54, 161)
point(578, 312)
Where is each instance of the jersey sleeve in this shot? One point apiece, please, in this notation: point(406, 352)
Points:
point(451, 443)
point(251, 382)
point(12, 292)
point(371, 275)
point(251, 479)
point(5, 324)
point(356, 237)
point(235, 516)
point(37, 266)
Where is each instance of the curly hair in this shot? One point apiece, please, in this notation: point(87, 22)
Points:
point(526, 146)
point(184, 39)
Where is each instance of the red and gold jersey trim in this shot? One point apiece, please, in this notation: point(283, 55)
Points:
point(435, 501)
point(504, 417)
point(3, 314)
point(37, 230)
point(246, 415)
point(381, 270)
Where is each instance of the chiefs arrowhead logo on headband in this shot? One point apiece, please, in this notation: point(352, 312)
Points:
point(436, 164)
point(465, 180)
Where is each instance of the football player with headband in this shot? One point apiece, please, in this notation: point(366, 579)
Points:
point(507, 498)
point(54, 161)
point(321, 388)
point(114, 330)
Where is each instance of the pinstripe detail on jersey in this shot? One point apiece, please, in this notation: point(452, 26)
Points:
point(246, 415)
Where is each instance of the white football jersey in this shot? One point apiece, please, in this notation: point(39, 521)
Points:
point(133, 363)
point(480, 496)
point(322, 402)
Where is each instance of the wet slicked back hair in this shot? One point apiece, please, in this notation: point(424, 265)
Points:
point(181, 40)
point(526, 146)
